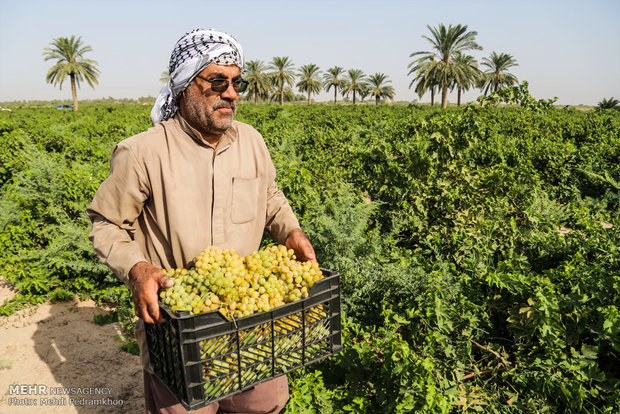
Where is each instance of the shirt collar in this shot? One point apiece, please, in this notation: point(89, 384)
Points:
point(228, 137)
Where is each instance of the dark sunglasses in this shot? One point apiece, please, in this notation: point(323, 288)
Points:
point(220, 85)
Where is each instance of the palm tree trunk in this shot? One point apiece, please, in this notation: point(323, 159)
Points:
point(458, 98)
point(432, 96)
point(377, 100)
point(335, 92)
point(444, 95)
point(74, 93)
point(282, 95)
point(353, 97)
point(309, 92)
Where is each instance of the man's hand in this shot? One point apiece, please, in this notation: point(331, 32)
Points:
point(298, 241)
point(145, 280)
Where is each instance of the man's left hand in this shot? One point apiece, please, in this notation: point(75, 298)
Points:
point(298, 241)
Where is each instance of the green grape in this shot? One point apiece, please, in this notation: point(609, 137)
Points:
point(220, 279)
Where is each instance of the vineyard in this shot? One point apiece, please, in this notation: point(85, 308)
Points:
point(478, 247)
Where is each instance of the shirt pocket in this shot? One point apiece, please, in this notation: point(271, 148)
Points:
point(244, 199)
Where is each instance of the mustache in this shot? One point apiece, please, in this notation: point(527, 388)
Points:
point(225, 103)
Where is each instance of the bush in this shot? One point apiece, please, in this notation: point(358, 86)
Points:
point(478, 247)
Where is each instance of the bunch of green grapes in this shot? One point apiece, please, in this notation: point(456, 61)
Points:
point(240, 286)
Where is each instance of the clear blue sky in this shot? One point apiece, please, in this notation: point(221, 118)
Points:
point(569, 49)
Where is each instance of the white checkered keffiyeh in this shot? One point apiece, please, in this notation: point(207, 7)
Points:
point(192, 53)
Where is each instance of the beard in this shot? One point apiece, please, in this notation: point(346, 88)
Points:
point(205, 117)
point(215, 122)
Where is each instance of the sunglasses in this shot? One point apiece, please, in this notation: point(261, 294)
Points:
point(220, 85)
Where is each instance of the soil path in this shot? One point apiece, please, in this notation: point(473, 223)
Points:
point(75, 365)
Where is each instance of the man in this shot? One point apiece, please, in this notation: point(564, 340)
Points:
point(195, 179)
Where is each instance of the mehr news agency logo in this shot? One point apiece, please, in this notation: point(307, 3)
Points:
point(42, 395)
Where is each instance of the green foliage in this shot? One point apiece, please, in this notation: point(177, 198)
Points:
point(516, 95)
point(476, 273)
point(131, 347)
point(608, 103)
point(51, 168)
point(61, 295)
point(478, 247)
point(308, 393)
point(105, 318)
point(124, 315)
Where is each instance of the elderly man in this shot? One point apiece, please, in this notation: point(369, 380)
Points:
point(195, 179)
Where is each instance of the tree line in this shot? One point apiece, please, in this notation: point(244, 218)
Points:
point(446, 67)
point(274, 82)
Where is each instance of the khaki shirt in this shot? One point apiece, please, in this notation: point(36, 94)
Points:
point(169, 195)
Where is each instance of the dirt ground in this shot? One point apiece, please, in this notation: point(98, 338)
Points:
point(71, 362)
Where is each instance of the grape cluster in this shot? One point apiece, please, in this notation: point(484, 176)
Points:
point(240, 286)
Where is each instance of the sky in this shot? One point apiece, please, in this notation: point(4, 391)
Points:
point(566, 49)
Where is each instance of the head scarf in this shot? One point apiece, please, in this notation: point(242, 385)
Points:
point(192, 53)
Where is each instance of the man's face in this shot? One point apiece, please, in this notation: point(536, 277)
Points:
point(209, 111)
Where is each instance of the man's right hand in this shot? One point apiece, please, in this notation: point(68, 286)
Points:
point(145, 280)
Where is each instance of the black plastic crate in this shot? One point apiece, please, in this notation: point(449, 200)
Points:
point(204, 358)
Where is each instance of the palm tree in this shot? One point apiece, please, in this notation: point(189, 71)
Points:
point(446, 43)
point(164, 76)
point(355, 82)
point(466, 75)
point(610, 103)
point(259, 82)
point(497, 75)
point(424, 79)
point(309, 80)
point(70, 61)
point(331, 80)
point(364, 91)
point(282, 74)
point(287, 96)
point(378, 88)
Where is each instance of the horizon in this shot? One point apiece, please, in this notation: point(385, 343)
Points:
point(552, 42)
point(34, 103)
